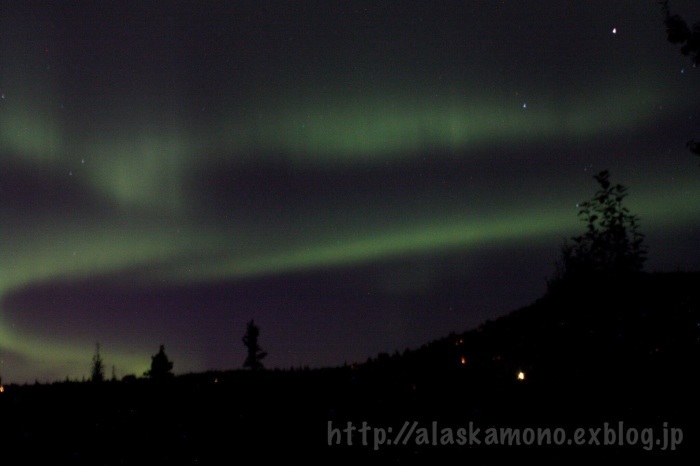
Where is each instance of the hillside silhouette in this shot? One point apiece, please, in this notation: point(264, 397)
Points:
point(623, 349)
point(607, 345)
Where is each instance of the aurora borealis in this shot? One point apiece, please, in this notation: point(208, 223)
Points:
point(356, 176)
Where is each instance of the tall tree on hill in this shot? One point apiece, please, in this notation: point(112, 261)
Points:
point(255, 353)
point(611, 244)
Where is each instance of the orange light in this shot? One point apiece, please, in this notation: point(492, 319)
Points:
point(521, 375)
point(464, 360)
point(2, 389)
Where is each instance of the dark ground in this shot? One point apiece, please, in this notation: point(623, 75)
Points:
point(593, 353)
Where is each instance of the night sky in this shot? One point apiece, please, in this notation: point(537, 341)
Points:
point(357, 176)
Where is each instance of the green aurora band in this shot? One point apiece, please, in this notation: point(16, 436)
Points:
point(135, 163)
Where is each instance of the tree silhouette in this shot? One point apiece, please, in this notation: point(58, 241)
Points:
point(688, 37)
point(679, 32)
point(255, 353)
point(611, 244)
point(161, 366)
point(97, 373)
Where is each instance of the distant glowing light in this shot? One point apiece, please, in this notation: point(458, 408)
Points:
point(521, 375)
point(2, 389)
point(614, 31)
point(524, 105)
point(464, 360)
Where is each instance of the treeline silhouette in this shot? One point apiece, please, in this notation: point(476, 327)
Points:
point(608, 342)
point(162, 367)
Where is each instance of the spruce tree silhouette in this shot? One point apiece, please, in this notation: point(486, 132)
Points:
point(255, 353)
point(611, 245)
point(161, 366)
point(97, 372)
